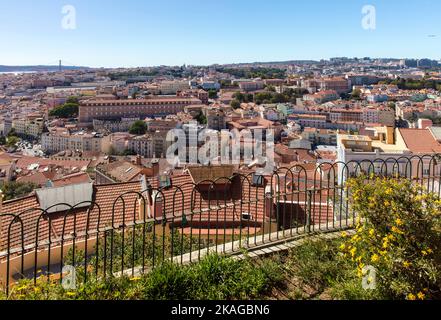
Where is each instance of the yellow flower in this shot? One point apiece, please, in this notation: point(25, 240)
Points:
point(399, 222)
point(429, 250)
point(396, 230)
point(406, 264)
point(372, 232)
point(383, 253)
point(353, 251)
point(424, 252)
point(135, 279)
point(387, 203)
point(411, 296)
point(375, 258)
point(344, 234)
point(37, 290)
point(421, 295)
point(70, 294)
point(342, 247)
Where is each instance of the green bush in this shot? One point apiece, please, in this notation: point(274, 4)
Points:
point(317, 263)
point(399, 234)
point(215, 277)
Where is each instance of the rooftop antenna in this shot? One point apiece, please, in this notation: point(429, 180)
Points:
point(59, 67)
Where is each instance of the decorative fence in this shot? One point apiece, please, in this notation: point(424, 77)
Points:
point(145, 225)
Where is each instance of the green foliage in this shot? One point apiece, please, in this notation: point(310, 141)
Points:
point(201, 118)
point(409, 84)
point(243, 97)
point(138, 127)
point(317, 264)
point(249, 73)
point(270, 96)
point(215, 277)
point(235, 104)
point(400, 236)
point(68, 110)
point(212, 94)
point(13, 190)
point(132, 74)
point(3, 140)
point(11, 141)
point(12, 133)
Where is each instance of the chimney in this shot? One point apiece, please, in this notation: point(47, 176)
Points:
point(1, 202)
point(155, 167)
point(138, 160)
point(390, 135)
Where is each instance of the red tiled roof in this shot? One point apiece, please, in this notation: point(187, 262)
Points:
point(420, 141)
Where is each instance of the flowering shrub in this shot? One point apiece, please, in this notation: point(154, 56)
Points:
point(399, 234)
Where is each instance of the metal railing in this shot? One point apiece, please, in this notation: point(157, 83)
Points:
point(138, 230)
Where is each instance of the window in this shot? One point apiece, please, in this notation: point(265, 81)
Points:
point(164, 182)
point(247, 216)
point(258, 180)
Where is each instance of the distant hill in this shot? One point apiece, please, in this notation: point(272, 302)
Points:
point(37, 68)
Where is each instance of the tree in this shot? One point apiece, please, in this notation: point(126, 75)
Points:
point(67, 110)
point(3, 140)
point(138, 127)
point(212, 94)
point(12, 141)
point(201, 118)
point(12, 133)
point(73, 100)
point(13, 190)
point(239, 96)
point(271, 88)
point(235, 104)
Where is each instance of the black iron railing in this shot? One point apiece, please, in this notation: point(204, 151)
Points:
point(139, 229)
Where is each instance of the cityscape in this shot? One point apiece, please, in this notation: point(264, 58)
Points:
point(131, 172)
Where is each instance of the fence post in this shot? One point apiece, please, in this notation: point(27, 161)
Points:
point(308, 210)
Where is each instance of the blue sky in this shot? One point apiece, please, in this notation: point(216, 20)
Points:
point(131, 33)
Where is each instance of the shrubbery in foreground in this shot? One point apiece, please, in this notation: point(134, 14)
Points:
point(215, 277)
point(399, 234)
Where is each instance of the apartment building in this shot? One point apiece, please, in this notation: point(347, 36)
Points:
point(251, 85)
point(5, 127)
point(320, 136)
point(61, 140)
point(352, 115)
point(142, 145)
point(310, 120)
point(322, 96)
point(172, 87)
point(384, 145)
point(340, 85)
point(389, 149)
point(117, 109)
point(216, 119)
point(114, 126)
point(28, 127)
point(382, 115)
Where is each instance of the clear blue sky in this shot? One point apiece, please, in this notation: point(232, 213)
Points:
point(173, 32)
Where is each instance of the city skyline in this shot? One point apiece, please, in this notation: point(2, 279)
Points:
point(197, 33)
